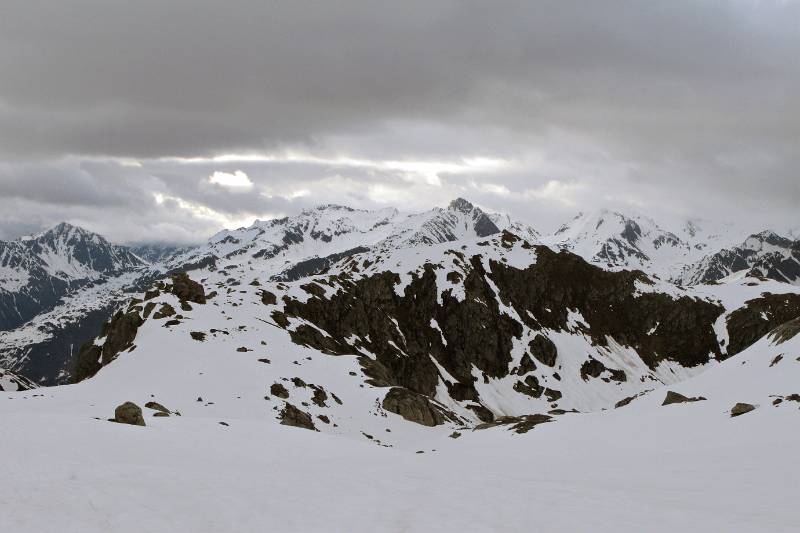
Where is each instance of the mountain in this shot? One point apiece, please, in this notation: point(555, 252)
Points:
point(765, 255)
point(675, 252)
point(35, 272)
point(492, 327)
point(615, 240)
point(45, 345)
point(415, 388)
point(316, 237)
point(157, 253)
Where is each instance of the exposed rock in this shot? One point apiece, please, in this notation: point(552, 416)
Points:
point(187, 289)
point(157, 407)
point(413, 407)
point(543, 350)
point(118, 333)
point(129, 413)
point(786, 331)
point(10, 381)
point(268, 298)
point(319, 397)
point(761, 315)
point(279, 390)
point(519, 424)
point(674, 397)
point(526, 365)
point(164, 311)
point(292, 416)
point(741, 408)
point(198, 335)
point(625, 401)
point(483, 414)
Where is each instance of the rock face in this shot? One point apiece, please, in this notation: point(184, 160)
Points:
point(742, 408)
point(674, 397)
point(129, 413)
point(413, 407)
point(758, 317)
point(118, 335)
point(474, 332)
point(292, 416)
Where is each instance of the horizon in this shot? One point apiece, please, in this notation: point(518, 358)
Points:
point(669, 225)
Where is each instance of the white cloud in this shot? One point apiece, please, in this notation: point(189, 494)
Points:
point(235, 180)
point(556, 190)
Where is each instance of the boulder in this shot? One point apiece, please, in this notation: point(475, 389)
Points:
point(543, 350)
point(129, 413)
point(413, 407)
point(674, 397)
point(155, 406)
point(742, 408)
point(279, 390)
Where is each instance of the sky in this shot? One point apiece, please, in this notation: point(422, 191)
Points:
point(165, 121)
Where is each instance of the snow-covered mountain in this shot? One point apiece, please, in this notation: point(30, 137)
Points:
point(764, 254)
point(316, 235)
point(35, 272)
point(44, 346)
point(403, 389)
point(678, 251)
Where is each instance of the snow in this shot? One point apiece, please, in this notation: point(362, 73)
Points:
point(688, 467)
point(642, 467)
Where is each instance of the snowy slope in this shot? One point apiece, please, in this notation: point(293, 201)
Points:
point(641, 467)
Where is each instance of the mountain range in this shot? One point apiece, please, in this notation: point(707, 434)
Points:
point(306, 361)
point(58, 287)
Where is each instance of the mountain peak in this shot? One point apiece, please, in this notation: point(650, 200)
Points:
point(65, 228)
point(462, 205)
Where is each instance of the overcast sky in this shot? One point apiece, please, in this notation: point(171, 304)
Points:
point(167, 120)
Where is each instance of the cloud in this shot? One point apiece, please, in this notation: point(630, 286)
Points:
point(539, 108)
point(234, 180)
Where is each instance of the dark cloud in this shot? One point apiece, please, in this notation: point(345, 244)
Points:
point(680, 107)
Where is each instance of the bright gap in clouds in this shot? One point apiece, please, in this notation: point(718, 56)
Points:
point(235, 180)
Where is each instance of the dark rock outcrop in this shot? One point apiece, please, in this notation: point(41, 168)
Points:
point(276, 389)
point(543, 350)
point(759, 316)
point(292, 416)
point(119, 334)
point(413, 407)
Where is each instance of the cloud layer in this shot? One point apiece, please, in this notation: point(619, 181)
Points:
point(114, 110)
